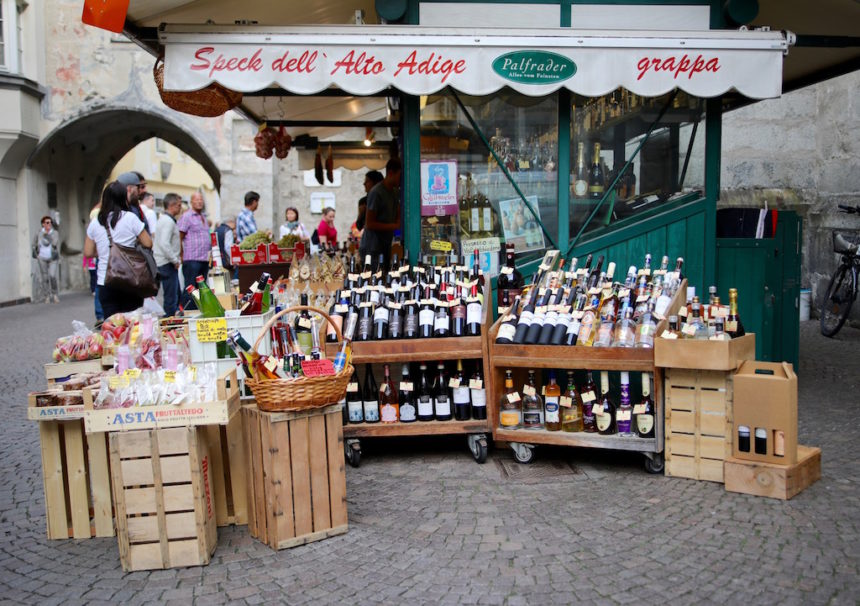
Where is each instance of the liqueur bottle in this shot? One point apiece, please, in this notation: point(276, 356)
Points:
point(408, 401)
point(441, 397)
point(371, 396)
point(510, 405)
point(604, 410)
point(460, 394)
point(389, 411)
point(552, 399)
point(425, 396)
point(647, 328)
point(589, 402)
point(734, 327)
point(533, 413)
point(643, 413)
point(624, 414)
point(571, 407)
point(478, 393)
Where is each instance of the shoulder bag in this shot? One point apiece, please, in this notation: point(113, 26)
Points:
point(131, 269)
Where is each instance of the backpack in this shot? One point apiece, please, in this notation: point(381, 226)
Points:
point(315, 237)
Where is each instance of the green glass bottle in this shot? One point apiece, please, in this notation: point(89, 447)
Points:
point(210, 307)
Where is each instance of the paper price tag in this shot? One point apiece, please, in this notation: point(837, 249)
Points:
point(432, 221)
point(394, 306)
point(543, 390)
point(304, 323)
point(642, 299)
point(170, 376)
point(453, 383)
point(598, 411)
point(514, 397)
point(507, 271)
point(341, 309)
point(271, 364)
point(588, 396)
point(565, 401)
point(352, 277)
point(365, 275)
point(529, 390)
point(594, 291)
point(669, 335)
point(622, 415)
point(476, 384)
point(639, 409)
point(406, 386)
point(682, 313)
point(689, 330)
point(644, 272)
point(352, 388)
point(211, 330)
point(624, 292)
point(442, 245)
point(118, 382)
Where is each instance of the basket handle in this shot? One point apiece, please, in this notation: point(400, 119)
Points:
point(283, 312)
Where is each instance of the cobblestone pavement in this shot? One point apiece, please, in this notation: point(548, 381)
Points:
point(430, 526)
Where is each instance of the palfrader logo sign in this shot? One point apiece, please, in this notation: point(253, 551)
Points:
point(534, 67)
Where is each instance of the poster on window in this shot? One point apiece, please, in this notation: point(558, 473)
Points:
point(438, 187)
point(519, 224)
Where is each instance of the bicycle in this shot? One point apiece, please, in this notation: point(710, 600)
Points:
point(843, 286)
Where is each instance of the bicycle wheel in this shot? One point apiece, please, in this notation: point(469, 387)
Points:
point(837, 303)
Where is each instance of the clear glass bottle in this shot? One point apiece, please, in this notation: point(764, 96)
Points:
point(571, 407)
point(510, 405)
point(552, 399)
point(389, 409)
point(407, 398)
point(533, 413)
point(604, 410)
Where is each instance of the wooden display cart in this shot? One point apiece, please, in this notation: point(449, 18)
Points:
point(422, 350)
point(523, 441)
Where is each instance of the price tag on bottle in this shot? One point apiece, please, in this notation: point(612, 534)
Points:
point(529, 390)
point(543, 390)
point(432, 220)
point(453, 383)
point(639, 409)
point(352, 277)
point(598, 411)
point(211, 330)
point(453, 302)
point(689, 330)
point(682, 312)
point(594, 291)
point(642, 299)
point(352, 388)
point(514, 397)
point(644, 272)
point(271, 363)
point(406, 386)
point(507, 271)
point(304, 323)
point(622, 415)
point(476, 384)
point(394, 305)
point(669, 335)
point(341, 309)
point(623, 293)
point(565, 401)
point(588, 396)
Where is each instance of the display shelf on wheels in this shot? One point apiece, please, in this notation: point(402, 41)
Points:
point(503, 357)
point(422, 350)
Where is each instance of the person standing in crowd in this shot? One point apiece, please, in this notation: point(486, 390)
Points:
point(196, 245)
point(245, 223)
point(167, 251)
point(370, 180)
point(226, 239)
point(383, 214)
point(132, 186)
point(293, 227)
point(46, 250)
point(147, 205)
point(326, 231)
point(126, 229)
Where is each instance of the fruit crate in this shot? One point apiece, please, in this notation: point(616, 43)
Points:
point(162, 488)
point(297, 480)
point(75, 473)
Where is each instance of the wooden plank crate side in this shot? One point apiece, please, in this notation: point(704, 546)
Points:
point(772, 480)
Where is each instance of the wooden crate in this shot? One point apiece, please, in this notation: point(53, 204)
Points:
point(698, 423)
point(162, 489)
point(75, 474)
point(228, 452)
point(297, 480)
point(59, 371)
point(771, 480)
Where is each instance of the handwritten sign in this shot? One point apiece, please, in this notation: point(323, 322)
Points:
point(212, 330)
point(442, 245)
point(317, 368)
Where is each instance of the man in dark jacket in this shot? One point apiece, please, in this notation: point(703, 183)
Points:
point(226, 239)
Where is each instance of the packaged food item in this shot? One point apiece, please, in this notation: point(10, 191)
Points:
point(82, 344)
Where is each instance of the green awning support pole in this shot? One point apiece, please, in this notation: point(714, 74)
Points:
point(502, 166)
point(621, 172)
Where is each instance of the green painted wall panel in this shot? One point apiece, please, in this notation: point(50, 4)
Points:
point(676, 239)
point(657, 246)
point(694, 252)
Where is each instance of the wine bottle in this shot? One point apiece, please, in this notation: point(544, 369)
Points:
point(643, 412)
point(487, 217)
point(475, 217)
point(510, 405)
point(552, 398)
point(442, 316)
point(380, 320)
point(338, 311)
point(508, 327)
point(623, 416)
point(580, 177)
point(564, 318)
point(342, 358)
point(233, 337)
point(478, 393)
point(526, 317)
point(533, 413)
point(389, 411)
point(458, 315)
point(571, 407)
point(365, 320)
point(354, 402)
point(370, 399)
point(474, 311)
point(589, 402)
point(590, 323)
point(510, 280)
point(604, 410)
point(550, 319)
point(426, 316)
point(395, 319)
point(425, 396)
point(304, 327)
point(596, 179)
point(572, 335)
point(460, 394)
point(266, 301)
point(410, 316)
point(441, 397)
point(734, 327)
point(408, 401)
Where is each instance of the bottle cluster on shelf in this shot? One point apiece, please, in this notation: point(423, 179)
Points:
point(433, 393)
point(713, 321)
point(577, 408)
point(477, 217)
point(410, 302)
point(586, 306)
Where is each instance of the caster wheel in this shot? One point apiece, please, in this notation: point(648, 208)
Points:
point(353, 454)
point(655, 464)
point(523, 453)
point(479, 450)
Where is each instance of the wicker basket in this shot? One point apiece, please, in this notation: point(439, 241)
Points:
point(208, 102)
point(305, 392)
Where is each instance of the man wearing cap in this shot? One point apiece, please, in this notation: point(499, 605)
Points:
point(132, 186)
point(196, 245)
point(167, 248)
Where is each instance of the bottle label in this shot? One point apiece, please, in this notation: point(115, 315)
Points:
point(394, 326)
point(425, 406)
point(381, 314)
point(476, 220)
point(443, 406)
point(580, 188)
point(355, 410)
point(479, 398)
point(526, 318)
point(371, 411)
point(458, 311)
point(531, 419)
point(374, 296)
point(622, 415)
point(461, 395)
point(507, 332)
point(364, 326)
point(410, 324)
point(441, 322)
point(388, 414)
point(552, 410)
point(645, 423)
point(306, 341)
point(425, 317)
point(603, 421)
point(509, 418)
point(473, 313)
point(488, 220)
point(407, 412)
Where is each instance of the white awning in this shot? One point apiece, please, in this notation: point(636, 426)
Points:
point(365, 59)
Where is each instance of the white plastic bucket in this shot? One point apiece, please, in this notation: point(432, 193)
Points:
point(805, 297)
